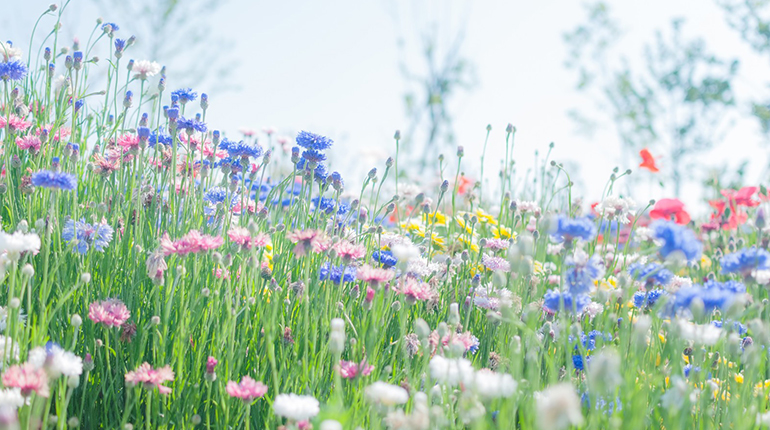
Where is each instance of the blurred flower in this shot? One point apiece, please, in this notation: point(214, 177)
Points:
point(247, 390)
point(296, 407)
point(151, 378)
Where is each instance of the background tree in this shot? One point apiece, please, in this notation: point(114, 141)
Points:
point(673, 98)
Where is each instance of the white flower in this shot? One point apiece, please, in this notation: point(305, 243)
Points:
point(145, 69)
point(56, 361)
point(59, 82)
point(761, 276)
point(9, 52)
point(593, 309)
point(296, 407)
point(554, 249)
point(16, 243)
point(11, 349)
point(675, 396)
point(701, 334)
point(331, 425)
point(523, 206)
point(644, 234)
point(405, 252)
point(386, 394)
point(616, 209)
point(491, 385)
point(418, 418)
point(763, 419)
point(11, 397)
point(451, 371)
point(603, 374)
point(489, 297)
point(558, 407)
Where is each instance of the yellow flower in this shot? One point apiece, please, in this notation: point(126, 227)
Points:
point(503, 233)
point(662, 338)
point(266, 293)
point(485, 217)
point(537, 267)
point(705, 262)
point(437, 218)
point(465, 240)
point(413, 227)
point(739, 378)
point(463, 225)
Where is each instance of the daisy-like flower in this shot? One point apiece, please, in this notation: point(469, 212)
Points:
point(151, 378)
point(54, 180)
point(242, 236)
point(386, 394)
point(351, 369)
point(616, 209)
point(191, 243)
point(296, 407)
point(348, 251)
point(86, 236)
point(29, 143)
point(373, 275)
point(56, 361)
point(111, 312)
point(18, 243)
point(451, 371)
point(247, 390)
point(27, 378)
point(144, 69)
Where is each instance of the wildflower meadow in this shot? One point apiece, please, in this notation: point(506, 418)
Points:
point(158, 272)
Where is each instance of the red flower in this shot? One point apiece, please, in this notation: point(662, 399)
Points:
point(668, 208)
point(742, 197)
point(463, 185)
point(648, 162)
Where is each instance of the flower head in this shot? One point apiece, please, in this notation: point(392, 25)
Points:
point(247, 390)
point(14, 70)
point(745, 261)
point(192, 243)
point(54, 180)
point(313, 141)
point(85, 236)
point(574, 228)
point(670, 208)
point(296, 407)
point(677, 239)
point(151, 378)
point(111, 312)
point(28, 379)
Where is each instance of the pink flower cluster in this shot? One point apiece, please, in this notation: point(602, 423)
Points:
point(247, 390)
point(15, 123)
point(374, 275)
point(242, 237)
point(28, 378)
point(192, 242)
point(307, 240)
point(349, 251)
point(111, 312)
point(351, 369)
point(29, 143)
point(415, 290)
point(496, 263)
point(151, 378)
point(129, 142)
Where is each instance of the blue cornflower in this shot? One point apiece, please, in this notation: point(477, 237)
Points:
point(313, 141)
point(234, 164)
point(327, 205)
point(120, 45)
point(337, 181)
point(185, 95)
point(218, 195)
point(385, 258)
point(651, 274)
point(577, 361)
point(689, 369)
point(172, 112)
point(112, 25)
point(575, 304)
point(143, 132)
point(647, 299)
point(55, 180)
point(678, 239)
point(713, 295)
point(337, 273)
point(86, 235)
point(737, 326)
point(602, 405)
point(191, 124)
point(241, 148)
point(313, 156)
point(569, 229)
point(159, 137)
point(13, 70)
point(745, 261)
point(582, 272)
point(79, 104)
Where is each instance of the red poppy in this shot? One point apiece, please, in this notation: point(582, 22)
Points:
point(668, 208)
point(719, 206)
point(648, 161)
point(463, 185)
point(742, 197)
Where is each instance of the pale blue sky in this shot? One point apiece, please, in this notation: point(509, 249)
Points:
point(332, 67)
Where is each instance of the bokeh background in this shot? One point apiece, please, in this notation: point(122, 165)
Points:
point(686, 79)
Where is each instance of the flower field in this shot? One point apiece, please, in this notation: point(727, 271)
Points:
point(160, 273)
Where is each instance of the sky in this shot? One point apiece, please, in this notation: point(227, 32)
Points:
point(332, 67)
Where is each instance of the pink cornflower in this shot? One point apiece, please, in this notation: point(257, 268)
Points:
point(251, 207)
point(241, 236)
point(496, 263)
point(151, 378)
point(29, 143)
point(129, 142)
point(15, 123)
point(27, 378)
point(467, 340)
point(248, 132)
point(415, 290)
point(62, 133)
point(308, 240)
point(111, 312)
point(369, 295)
point(211, 363)
point(350, 369)
point(105, 166)
point(247, 390)
point(374, 275)
point(498, 244)
point(349, 251)
point(192, 242)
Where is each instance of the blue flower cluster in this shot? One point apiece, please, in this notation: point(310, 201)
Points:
point(575, 304)
point(677, 239)
point(218, 195)
point(737, 326)
point(651, 274)
point(13, 70)
point(326, 204)
point(713, 294)
point(579, 278)
point(385, 258)
point(745, 261)
point(313, 155)
point(241, 148)
point(647, 299)
point(337, 274)
point(157, 137)
point(54, 180)
point(87, 236)
point(569, 229)
point(184, 95)
point(191, 125)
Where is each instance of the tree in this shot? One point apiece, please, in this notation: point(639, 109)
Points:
point(673, 98)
